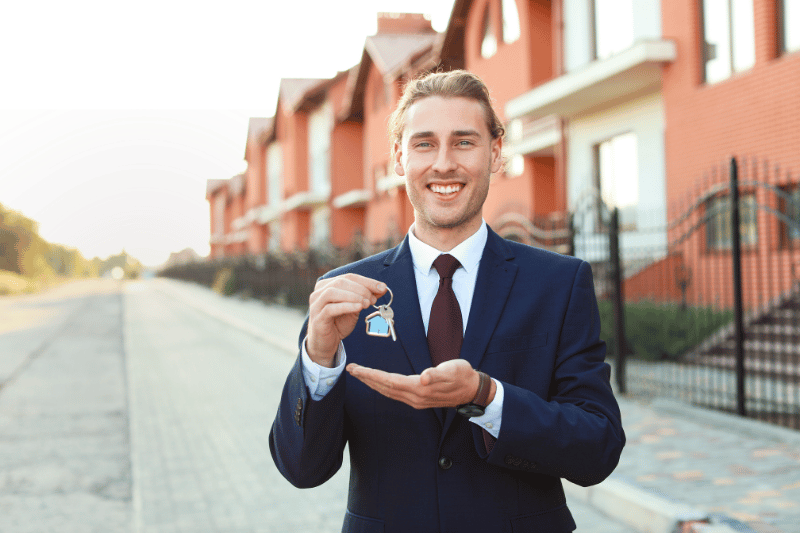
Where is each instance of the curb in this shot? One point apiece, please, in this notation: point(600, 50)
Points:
point(646, 511)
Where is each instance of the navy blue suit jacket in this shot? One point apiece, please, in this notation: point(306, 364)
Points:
point(534, 326)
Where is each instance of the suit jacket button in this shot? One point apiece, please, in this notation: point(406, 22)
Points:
point(445, 463)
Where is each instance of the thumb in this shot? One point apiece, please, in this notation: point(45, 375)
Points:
point(428, 376)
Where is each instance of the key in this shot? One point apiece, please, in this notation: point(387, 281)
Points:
point(387, 314)
point(381, 322)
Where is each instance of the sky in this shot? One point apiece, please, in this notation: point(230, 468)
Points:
point(114, 115)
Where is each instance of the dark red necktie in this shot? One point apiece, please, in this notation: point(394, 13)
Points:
point(445, 327)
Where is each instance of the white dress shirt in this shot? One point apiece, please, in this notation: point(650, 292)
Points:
point(321, 379)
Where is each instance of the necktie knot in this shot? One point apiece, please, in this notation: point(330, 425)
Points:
point(446, 265)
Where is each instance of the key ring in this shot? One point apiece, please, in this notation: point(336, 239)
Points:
point(391, 297)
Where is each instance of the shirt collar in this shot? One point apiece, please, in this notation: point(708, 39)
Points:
point(468, 252)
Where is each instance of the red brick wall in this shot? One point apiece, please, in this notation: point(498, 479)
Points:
point(754, 113)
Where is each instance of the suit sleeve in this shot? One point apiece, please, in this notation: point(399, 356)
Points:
point(576, 433)
point(307, 438)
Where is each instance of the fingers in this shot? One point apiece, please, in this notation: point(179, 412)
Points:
point(333, 311)
point(409, 389)
point(348, 287)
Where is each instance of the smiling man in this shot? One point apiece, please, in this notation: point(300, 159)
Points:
point(496, 387)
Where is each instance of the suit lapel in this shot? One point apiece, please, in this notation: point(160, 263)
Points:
point(399, 273)
point(496, 275)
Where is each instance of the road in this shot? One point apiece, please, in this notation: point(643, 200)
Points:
point(146, 408)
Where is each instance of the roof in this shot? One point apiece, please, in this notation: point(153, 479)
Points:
point(450, 46)
point(237, 184)
point(391, 54)
point(293, 90)
point(213, 185)
point(258, 126)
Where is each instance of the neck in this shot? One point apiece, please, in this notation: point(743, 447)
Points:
point(445, 239)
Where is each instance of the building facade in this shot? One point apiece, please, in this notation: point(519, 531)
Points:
point(628, 102)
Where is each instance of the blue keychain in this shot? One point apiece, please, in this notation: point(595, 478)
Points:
point(381, 322)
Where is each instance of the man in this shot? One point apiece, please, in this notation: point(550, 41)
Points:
point(436, 446)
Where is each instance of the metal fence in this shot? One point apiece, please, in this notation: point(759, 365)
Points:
point(695, 309)
point(712, 317)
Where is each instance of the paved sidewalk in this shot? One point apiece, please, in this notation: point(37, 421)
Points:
point(747, 471)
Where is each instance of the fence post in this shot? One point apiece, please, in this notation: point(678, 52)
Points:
point(738, 313)
point(619, 299)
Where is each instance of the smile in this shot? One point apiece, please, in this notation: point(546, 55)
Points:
point(445, 189)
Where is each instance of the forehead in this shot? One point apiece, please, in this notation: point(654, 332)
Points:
point(442, 116)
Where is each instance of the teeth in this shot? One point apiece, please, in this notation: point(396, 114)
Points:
point(448, 189)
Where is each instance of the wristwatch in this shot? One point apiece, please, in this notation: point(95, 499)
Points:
point(478, 404)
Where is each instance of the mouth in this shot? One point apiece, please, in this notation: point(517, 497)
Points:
point(445, 190)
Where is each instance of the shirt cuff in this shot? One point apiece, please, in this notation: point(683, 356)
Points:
point(493, 414)
point(320, 379)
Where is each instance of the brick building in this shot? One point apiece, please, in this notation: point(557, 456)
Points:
point(631, 101)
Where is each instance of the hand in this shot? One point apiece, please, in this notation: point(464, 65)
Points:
point(333, 312)
point(450, 384)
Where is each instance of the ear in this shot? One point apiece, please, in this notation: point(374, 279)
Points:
point(398, 160)
point(497, 154)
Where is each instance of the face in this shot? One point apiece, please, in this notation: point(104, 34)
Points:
point(447, 156)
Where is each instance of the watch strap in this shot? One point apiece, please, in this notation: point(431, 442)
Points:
point(484, 386)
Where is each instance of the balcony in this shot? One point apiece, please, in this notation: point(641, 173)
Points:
point(306, 200)
point(354, 198)
point(600, 85)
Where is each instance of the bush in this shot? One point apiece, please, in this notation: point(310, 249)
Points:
point(661, 332)
point(224, 282)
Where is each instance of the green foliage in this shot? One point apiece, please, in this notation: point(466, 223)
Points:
point(224, 282)
point(28, 262)
point(661, 332)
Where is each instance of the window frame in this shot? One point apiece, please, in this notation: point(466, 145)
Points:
point(721, 242)
point(783, 27)
point(503, 20)
point(625, 226)
point(788, 239)
point(487, 31)
point(705, 45)
point(593, 19)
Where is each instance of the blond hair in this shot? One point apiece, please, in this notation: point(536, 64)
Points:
point(451, 84)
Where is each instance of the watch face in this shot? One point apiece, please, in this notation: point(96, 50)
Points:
point(470, 410)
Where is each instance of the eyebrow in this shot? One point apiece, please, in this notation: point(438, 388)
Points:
point(454, 133)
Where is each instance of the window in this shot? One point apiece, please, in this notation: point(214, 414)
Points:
point(729, 33)
point(511, 29)
point(320, 228)
point(790, 25)
point(488, 39)
point(274, 174)
point(791, 208)
point(275, 236)
point(618, 177)
point(219, 215)
point(319, 146)
point(613, 27)
point(718, 222)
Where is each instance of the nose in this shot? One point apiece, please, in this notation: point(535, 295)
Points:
point(445, 162)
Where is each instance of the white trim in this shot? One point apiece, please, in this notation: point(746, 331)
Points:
point(354, 198)
point(626, 74)
point(390, 182)
point(305, 199)
point(268, 213)
point(532, 136)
